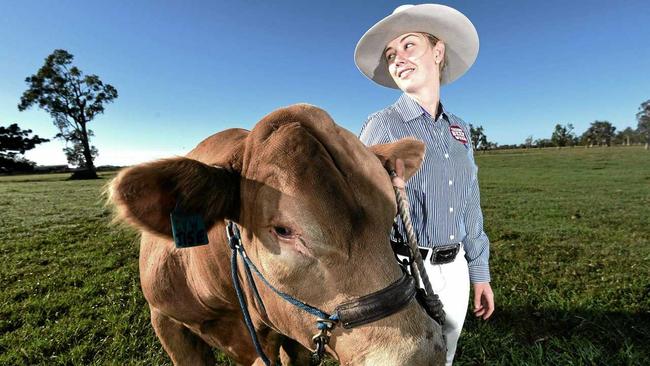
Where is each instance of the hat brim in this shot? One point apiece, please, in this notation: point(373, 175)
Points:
point(445, 23)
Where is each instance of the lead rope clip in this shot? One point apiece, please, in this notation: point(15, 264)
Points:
point(321, 340)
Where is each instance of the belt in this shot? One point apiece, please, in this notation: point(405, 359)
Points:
point(441, 254)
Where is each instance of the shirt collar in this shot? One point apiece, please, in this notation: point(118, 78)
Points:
point(409, 109)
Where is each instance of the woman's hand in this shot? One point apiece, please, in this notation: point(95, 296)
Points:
point(483, 300)
point(398, 178)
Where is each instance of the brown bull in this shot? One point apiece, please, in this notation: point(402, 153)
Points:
point(315, 207)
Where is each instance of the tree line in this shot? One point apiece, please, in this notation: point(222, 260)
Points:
point(74, 99)
point(599, 133)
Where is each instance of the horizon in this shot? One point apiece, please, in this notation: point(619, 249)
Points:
point(185, 72)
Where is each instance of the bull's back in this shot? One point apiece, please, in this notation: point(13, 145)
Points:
point(221, 149)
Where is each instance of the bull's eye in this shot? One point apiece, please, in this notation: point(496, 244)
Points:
point(282, 232)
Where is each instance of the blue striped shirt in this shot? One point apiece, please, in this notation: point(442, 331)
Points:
point(444, 193)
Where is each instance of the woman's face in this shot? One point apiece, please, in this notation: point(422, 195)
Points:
point(413, 62)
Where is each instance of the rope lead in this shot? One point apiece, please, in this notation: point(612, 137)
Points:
point(431, 301)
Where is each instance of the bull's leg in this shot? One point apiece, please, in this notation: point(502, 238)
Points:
point(293, 353)
point(230, 335)
point(182, 346)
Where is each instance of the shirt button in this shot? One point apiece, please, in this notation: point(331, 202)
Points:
point(451, 182)
point(451, 209)
point(451, 237)
point(446, 156)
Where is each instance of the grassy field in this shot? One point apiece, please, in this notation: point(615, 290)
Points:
point(570, 232)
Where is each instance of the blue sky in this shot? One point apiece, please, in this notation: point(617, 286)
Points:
point(187, 69)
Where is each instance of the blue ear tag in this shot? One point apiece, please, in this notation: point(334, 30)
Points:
point(188, 229)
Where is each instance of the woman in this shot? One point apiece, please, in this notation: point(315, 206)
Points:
point(417, 49)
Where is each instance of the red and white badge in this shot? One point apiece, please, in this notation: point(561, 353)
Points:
point(458, 133)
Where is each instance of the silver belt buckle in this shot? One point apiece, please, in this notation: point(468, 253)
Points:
point(444, 254)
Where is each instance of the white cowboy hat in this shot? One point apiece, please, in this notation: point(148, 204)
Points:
point(445, 23)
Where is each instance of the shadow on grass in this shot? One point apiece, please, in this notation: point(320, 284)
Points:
point(580, 335)
point(534, 325)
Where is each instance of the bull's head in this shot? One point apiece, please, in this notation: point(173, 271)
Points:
point(315, 208)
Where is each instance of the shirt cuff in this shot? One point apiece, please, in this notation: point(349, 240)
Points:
point(479, 273)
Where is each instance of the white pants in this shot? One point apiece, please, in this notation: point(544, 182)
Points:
point(450, 282)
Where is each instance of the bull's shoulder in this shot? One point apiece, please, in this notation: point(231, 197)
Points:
point(189, 285)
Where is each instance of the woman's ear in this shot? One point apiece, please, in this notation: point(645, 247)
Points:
point(439, 52)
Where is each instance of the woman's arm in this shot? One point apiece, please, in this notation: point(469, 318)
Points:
point(477, 252)
point(476, 242)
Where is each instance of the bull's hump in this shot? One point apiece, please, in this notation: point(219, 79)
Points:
point(220, 148)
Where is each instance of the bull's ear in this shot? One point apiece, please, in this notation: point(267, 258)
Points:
point(409, 150)
point(146, 194)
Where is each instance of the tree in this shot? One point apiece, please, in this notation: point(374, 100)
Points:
point(478, 137)
point(73, 100)
point(491, 145)
point(528, 142)
point(543, 143)
point(599, 133)
point(576, 140)
point(14, 141)
point(75, 154)
point(563, 135)
point(643, 117)
point(626, 137)
point(74, 151)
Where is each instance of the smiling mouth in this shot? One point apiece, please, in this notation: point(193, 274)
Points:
point(405, 72)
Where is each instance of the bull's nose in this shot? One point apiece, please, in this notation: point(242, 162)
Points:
point(407, 338)
point(428, 350)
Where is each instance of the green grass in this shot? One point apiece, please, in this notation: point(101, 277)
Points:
point(570, 255)
point(570, 265)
